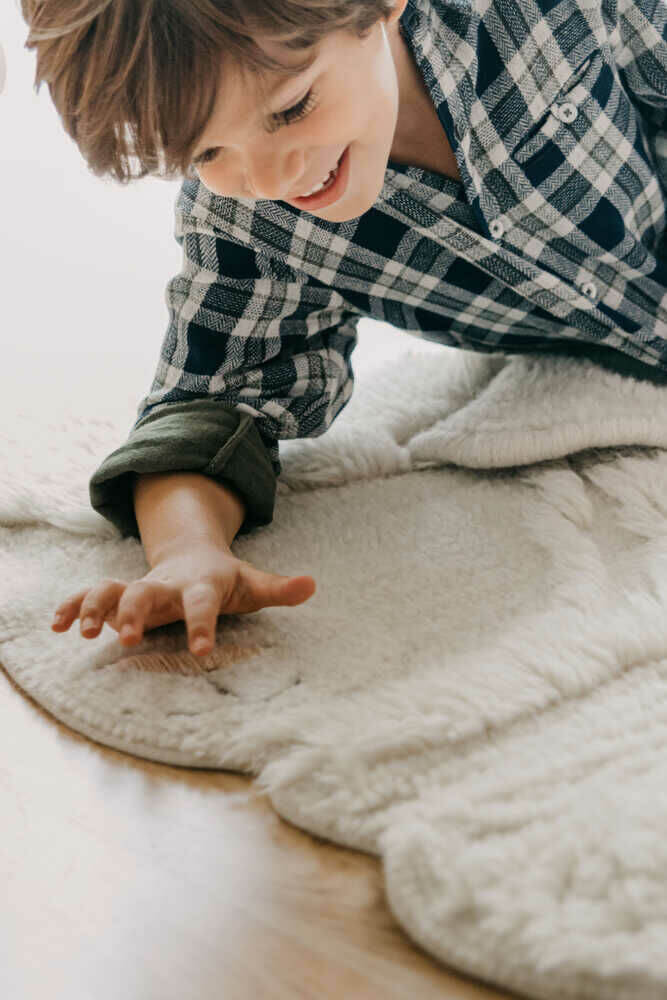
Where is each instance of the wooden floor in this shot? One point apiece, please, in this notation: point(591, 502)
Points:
point(121, 878)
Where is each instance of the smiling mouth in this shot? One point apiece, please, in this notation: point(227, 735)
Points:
point(323, 185)
point(330, 190)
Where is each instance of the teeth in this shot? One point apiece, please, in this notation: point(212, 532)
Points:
point(318, 187)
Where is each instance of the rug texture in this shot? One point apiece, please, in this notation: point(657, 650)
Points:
point(477, 691)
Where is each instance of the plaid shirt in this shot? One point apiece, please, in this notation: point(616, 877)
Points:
point(554, 241)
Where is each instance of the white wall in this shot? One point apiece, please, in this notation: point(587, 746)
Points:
point(84, 261)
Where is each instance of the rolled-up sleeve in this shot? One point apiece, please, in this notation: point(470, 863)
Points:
point(639, 43)
point(198, 436)
point(254, 352)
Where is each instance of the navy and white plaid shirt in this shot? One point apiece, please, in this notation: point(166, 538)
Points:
point(556, 239)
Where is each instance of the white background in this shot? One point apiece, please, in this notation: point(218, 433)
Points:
point(85, 261)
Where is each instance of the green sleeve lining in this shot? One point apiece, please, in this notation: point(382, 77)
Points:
point(203, 436)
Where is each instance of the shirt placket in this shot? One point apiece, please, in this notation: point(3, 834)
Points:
point(465, 112)
point(516, 271)
point(536, 284)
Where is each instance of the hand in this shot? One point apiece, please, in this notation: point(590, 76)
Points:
point(195, 586)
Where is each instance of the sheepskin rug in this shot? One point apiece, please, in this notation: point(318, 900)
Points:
point(476, 692)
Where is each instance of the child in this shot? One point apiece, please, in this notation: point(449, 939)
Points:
point(489, 174)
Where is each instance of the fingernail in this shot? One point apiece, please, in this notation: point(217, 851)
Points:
point(127, 632)
point(88, 623)
point(58, 618)
point(200, 645)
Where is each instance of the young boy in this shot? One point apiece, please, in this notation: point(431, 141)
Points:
point(489, 174)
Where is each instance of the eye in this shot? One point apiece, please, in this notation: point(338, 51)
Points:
point(298, 111)
point(206, 157)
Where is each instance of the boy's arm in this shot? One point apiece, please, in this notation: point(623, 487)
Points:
point(173, 510)
point(203, 437)
point(187, 523)
point(254, 352)
point(639, 44)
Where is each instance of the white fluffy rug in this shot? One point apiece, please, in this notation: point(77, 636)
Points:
point(477, 691)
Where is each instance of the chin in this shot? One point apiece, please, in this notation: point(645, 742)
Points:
point(340, 214)
point(351, 207)
point(335, 214)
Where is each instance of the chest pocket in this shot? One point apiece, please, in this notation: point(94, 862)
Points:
point(588, 157)
point(576, 117)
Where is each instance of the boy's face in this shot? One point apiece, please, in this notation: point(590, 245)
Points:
point(257, 152)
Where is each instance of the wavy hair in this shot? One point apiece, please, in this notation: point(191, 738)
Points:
point(135, 81)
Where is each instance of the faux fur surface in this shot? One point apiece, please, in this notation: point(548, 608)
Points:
point(477, 691)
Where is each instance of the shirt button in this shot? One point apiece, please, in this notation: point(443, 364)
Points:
point(589, 290)
point(565, 112)
point(497, 229)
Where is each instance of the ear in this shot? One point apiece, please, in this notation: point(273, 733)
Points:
point(396, 13)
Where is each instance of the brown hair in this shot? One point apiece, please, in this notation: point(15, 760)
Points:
point(138, 79)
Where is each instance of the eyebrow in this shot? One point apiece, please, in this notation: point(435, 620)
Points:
point(289, 76)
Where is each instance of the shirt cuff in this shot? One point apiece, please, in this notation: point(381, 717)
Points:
point(202, 436)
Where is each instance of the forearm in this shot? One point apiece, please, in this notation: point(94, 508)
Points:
point(176, 508)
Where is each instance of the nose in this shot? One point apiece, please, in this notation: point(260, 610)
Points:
point(275, 175)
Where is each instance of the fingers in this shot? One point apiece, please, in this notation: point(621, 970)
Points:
point(135, 607)
point(201, 606)
point(90, 605)
point(99, 602)
point(67, 611)
point(128, 608)
point(135, 604)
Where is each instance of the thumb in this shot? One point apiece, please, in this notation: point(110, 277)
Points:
point(297, 589)
point(276, 589)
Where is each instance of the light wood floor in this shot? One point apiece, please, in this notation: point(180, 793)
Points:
point(121, 878)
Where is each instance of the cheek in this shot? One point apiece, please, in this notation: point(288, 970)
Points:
point(373, 99)
point(357, 109)
point(219, 179)
point(373, 79)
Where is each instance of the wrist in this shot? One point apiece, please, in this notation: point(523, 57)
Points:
point(175, 511)
point(192, 547)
